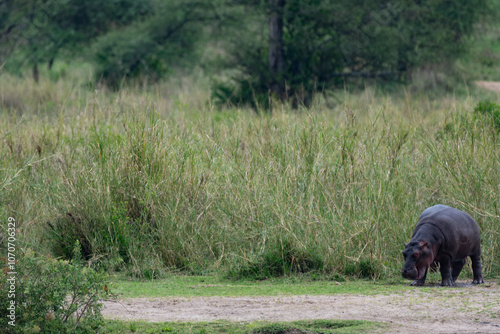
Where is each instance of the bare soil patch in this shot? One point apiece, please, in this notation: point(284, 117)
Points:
point(491, 85)
point(465, 309)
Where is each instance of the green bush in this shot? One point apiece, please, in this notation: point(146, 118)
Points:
point(52, 296)
point(147, 50)
point(119, 58)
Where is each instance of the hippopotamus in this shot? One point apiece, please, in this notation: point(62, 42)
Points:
point(443, 235)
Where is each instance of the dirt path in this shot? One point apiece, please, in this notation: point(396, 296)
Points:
point(491, 85)
point(467, 309)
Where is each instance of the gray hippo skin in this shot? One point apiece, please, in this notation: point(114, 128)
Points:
point(445, 235)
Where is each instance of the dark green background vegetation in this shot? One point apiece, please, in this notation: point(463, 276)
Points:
point(285, 50)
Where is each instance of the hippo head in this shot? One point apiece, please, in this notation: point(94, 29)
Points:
point(418, 257)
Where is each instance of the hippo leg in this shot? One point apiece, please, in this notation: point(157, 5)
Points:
point(457, 268)
point(446, 275)
point(420, 281)
point(476, 269)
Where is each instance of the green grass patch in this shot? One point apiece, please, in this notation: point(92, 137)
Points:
point(198, 286)
point(297, 327)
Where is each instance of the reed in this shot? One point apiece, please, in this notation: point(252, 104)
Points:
point(157, 178)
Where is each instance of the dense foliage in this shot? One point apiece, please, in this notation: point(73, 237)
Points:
point(52, 296)
point(148, 49)
point(35, 32)
point(325, 43)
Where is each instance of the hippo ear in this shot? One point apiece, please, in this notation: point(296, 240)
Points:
point(406, 245)
point(423, 244)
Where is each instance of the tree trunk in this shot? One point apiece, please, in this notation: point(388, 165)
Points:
point(276, 54)
point(36, 75)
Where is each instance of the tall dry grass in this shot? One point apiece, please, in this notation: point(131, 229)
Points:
point(157, 178)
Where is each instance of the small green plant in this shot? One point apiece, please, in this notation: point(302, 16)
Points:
point(53, 296)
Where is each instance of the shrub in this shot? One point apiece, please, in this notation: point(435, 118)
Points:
point(53, 296)
point(147, 50)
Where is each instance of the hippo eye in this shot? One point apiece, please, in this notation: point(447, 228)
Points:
point(416, 255)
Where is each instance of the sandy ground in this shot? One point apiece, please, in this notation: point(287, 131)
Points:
point(491, 85)
point(465, 309)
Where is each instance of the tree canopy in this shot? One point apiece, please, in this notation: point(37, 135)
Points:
point(324, 42)
point(283, 49)
point(34, 32)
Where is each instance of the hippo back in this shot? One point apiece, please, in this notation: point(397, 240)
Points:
point(459, 233)
point(433, 209)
